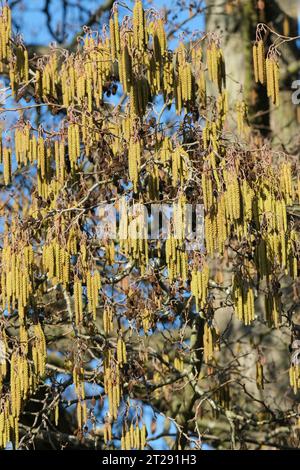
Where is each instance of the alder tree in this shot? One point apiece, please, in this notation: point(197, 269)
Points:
point(130, 341)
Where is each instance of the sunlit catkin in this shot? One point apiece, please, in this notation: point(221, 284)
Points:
point(207, 343)
point(78, 304)
point(294, 375)
point(255, 62)
point(5, 33)
point(272, 69)
point(261, 66)
point(138, 21)
point(7, 172)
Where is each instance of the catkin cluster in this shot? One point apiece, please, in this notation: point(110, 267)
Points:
point(199, 285)
point(133, 437)
point(112, 385)
point(93, 284)
point(266, 70)
point(133, 233)
point(26, 368)
point(81, 408)
point(259, 62)
point(176, 255)
point(215, 64)
point(243, 298)
point(272, 71)
point(56, 262)
point(16, 276)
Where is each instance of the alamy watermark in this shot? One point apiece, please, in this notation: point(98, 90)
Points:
point(2, 352)
point(153, 222)
point(296, 94)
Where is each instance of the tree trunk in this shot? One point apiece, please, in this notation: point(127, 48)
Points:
point(237, 26)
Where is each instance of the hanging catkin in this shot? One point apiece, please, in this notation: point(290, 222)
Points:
point(7, 172)
point(138, 21)
point(261, 66)
point(272, 69)
point(78, 304)
point(5, 33)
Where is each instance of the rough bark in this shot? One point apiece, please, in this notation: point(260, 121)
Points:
point(238, 34)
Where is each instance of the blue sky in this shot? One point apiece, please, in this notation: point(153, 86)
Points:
point(32, 21)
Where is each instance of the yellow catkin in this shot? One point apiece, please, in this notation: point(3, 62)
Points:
point(243, 299)
point(143, 436)
point(125, 69)
point(56, 414)
point(207, 343)
point(78, 305)
point(294, 375)
point(117, 31)
point(272, 68)
point(261, 62)
point(26, 66)
point(138, 22)
point(253, 215)
point(112, 39)
point(276, 83)
point(5, 33)
point(7, 172)
point(255, 62)
point(134, 161)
